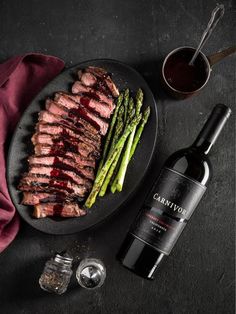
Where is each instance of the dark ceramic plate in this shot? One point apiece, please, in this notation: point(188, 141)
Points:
point(21, 147)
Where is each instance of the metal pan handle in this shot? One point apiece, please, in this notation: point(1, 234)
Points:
point(218, 56)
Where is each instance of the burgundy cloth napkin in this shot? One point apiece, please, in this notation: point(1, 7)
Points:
point(21, 78)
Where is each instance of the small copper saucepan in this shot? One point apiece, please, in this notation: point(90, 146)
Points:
point(182, 80)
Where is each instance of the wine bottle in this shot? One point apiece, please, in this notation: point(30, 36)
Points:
point(175, 195)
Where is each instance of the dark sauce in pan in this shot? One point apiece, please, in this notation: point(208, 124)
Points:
point(182, 76)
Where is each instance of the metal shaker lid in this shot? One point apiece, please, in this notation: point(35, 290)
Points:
point(91, 273)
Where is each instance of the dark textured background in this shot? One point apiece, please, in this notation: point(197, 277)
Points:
point(198, 277)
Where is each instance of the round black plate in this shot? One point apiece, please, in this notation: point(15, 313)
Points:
point(21, 147)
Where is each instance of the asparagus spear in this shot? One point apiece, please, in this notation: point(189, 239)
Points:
point(128, 106)
point(113, 186)
point(108, 138)
point(110, 174)
point(113, 180)
point(130, 116)
point(118, 129)
point(130, 111)
point(101, 176)
point(139, 131)
point(137, 137)
point(126, 103)
point(125, 160)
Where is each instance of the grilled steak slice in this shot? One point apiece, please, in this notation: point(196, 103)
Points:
point(43, 178)
point(85, 174)
point(55, 209)
point(61, 162)
point(88, 79)
point(42, 149)
point(39, 138)
point(31, 198)
point(77, 158)
point(104, 77)
point(59, 149)
point(47, 184)
point(79, 88)
point(48, 117)
point(79, 110)
point(46, 150)
point(62, 111)
point(76, 111)
point(36, 179)
point(65, 132)
point(62, 145)
point(101, 108)
point(100, 72)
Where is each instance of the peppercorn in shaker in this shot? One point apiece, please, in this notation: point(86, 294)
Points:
point(56, 274)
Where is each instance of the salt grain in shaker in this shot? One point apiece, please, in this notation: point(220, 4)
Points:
point(56, 275)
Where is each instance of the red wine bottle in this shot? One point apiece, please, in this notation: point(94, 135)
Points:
point(176, 193)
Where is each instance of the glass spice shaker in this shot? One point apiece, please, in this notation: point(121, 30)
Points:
point(56, 274)
point(91, 273)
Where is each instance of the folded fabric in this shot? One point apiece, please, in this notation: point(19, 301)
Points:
point(21, 78)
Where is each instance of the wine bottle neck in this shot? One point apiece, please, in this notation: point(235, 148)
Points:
point(203, 146)
point(212, 128)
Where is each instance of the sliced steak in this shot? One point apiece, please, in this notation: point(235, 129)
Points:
point(40, 179)
point(105, 77)
point(48, 117)
point(79, 88)
point(42, 149)
point(33, 198)
point(46, 150)
point(35, 179)
point(66, 132)
point(62, 145)
point(47, 184)
point(60, 149)
point(63, 174)
point(46, 139)
point(57, 109)
point(88, 79)
point(100, 72)
point(77, 113)
point(77, 158)
point(101, 108)
point(75, 109)
point(81, 160)
point(55, 209)
point(66, 142)
point(61, 162)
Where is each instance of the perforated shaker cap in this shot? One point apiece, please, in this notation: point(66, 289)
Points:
point(91, 273)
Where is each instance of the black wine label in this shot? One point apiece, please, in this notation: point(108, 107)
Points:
point(173, 196)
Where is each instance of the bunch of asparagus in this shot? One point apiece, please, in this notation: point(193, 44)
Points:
point(122, 139)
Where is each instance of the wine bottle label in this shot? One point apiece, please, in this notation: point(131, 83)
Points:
point(173, 196)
